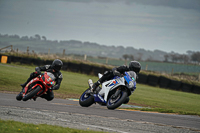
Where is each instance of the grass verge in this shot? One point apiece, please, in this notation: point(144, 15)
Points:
point(73, 84)
point(19, 127)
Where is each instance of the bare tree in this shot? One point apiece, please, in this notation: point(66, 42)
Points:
point(131, 57)
point(186, 58)
point(140, 56)
point(195, 57)
point(37, 37)
point(125, 56)
point(44, 38)
point(174, 57)
point(166, 57)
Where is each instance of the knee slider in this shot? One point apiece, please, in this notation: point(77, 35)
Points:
point(106, 72)
point(50, 98)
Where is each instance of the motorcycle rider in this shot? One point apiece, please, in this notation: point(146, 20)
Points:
point(55, 70)
point(133, 66)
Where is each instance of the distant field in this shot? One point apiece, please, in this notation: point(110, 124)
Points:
point(73, 84)
point(155, 66)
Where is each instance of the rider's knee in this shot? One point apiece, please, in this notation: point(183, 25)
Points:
point(50, 98)
point(33, 75)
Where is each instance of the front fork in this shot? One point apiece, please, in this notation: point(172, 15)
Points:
point(116, 93)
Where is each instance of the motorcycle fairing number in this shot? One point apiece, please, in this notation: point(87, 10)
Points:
point(49, 79)
point(114, 82)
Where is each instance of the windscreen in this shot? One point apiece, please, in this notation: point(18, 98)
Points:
point(132, 74)
point(51, 75)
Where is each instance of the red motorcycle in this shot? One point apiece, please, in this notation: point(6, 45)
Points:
point(37, 86)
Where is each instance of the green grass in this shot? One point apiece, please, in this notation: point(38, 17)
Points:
point(166, 101)
point(18, 127)
point(73, 84)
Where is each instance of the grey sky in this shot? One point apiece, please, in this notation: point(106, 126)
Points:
point(168, 25)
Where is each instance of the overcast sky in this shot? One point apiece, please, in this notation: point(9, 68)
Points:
point(167, 25)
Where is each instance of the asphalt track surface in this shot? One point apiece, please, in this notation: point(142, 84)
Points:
point(68, 113)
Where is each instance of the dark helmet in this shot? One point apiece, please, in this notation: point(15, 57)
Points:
point(135, 66)
point(57, 64)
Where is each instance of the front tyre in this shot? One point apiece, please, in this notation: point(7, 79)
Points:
point(86, 99)
point(114, 103)
point(127, 100)
point(31, 94)
point(19, 96)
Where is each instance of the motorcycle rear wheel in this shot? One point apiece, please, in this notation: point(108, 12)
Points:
point(86, 100)
point(31, 94)
point(114, 103)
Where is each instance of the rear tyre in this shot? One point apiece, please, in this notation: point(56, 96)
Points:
point(31, 94)
point(85, 99)
point(114, 103)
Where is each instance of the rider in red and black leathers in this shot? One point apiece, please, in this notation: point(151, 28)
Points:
point(55, 70)
point(133, 66)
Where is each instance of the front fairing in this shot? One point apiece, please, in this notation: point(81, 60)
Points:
point(110, 85)
point(48, 79)
point(43, 80)
point(131, 83)
point(33, 81)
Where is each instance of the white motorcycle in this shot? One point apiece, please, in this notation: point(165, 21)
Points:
point(113, 93)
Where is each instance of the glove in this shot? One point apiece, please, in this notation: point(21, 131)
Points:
point(116, 73)
point(51, 88)
point(38, 72)
point(55, 87)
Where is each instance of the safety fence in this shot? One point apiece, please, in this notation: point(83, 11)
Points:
point(153, 80)
point(68, 66)
point(167, 83)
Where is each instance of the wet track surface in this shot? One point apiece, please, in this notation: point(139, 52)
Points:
point(69, 113)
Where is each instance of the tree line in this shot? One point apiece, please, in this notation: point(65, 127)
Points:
point(94, 49)
point(191, 57)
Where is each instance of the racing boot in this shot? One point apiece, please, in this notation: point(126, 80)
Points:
point(24, 84)
point(34, 98)
point(94, 87)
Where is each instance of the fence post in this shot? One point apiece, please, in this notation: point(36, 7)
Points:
point(27, 52)
point(63, 52)
point(85, 57)
point(125, 61)
point(146, 67)
point(106, 60)
point(11, 48)
point(48, 51)
point(199, 77)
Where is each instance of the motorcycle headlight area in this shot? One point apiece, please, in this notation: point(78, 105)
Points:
point(131, 84)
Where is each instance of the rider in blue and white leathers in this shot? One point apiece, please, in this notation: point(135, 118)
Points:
point(133, 66)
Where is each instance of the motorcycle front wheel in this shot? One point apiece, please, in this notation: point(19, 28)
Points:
point(19, 96)
point(31, 93)
point(86, 100)
point(115, 102)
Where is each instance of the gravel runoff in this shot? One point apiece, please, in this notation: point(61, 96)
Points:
point(85, 122)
